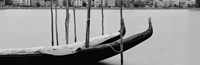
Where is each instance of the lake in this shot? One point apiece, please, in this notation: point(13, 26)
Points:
point(175, 40)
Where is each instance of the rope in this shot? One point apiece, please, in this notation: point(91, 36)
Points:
point(121, 48)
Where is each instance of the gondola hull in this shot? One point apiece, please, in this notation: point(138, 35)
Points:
point(88, 55)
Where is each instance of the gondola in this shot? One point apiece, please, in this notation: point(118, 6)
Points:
point(105, 51)
point(29, 58)
point(87, 55)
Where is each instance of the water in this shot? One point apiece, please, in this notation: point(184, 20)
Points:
point(175, 40)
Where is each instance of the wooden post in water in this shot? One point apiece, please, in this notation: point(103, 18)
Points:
point(121, 44)
point(102, 13)
point(74, 11)
point(52, 33)
point(88, 25)
point(67, 22)
point(56, 21)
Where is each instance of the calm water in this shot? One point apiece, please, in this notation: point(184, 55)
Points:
point(175, 40)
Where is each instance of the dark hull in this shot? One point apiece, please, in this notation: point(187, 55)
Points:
point(123, 31)
point(94, 54)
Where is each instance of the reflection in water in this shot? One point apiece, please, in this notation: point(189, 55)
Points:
point(174, 42)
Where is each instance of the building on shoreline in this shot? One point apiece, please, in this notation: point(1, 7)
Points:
point(28, 3)
point(198, 3)
point(37, 3)
point(165, 3)
point(2, 3)
point(126, 3)
point(97, 3)
point(15, 2)
point(106, 3)
point(60, 3)
point(47, 4)
point(111, 3)
point(185, 3)
point(78, 3)
point(21, 2)
point(174, 3)
point(85, 3)
point(25, 2)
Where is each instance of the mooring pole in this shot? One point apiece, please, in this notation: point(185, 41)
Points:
point(88, 25)
point(102, 13)
point(74, 11)
point(67, 22)
point(121, 44)
point(52, 33)
point(56, 20)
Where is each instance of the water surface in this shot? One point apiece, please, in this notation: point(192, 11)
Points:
point(175, 40)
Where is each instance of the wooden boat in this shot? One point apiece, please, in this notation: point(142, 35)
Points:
point(22, 58)
point(93, 54)
point(105, 51)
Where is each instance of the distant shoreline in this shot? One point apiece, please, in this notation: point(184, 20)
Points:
point(115, 8)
